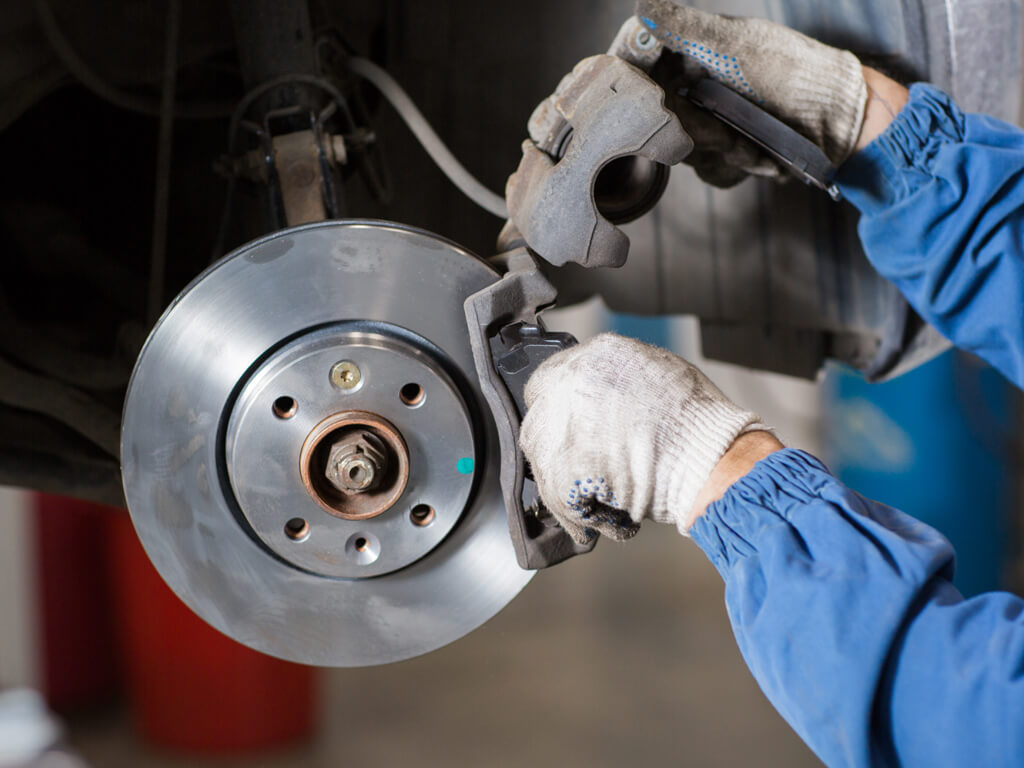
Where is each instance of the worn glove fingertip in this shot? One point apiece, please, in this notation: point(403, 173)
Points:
point(569, 520)
point(546, 375)
point(579, 533)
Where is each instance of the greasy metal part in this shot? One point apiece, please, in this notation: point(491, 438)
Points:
point(297, 162)
point(357, 463)
point(336, 149)
point(273, 39)
point(364, 461)
point(301, 176)
point(508, 343)
point(610, 110)
point(298, 168)
point(286, 109)
point(352, 472)
point(253, 328)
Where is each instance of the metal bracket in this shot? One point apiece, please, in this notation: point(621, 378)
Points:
point(509, 342)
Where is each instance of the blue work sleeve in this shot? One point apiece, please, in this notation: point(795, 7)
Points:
point(844, 611)
point(942, 200)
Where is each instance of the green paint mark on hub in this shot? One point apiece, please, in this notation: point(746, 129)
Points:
point(465, 466)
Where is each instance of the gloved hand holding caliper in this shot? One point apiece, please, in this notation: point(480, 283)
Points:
point(843, 608)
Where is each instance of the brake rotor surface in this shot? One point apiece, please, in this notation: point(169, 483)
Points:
point(306, 456)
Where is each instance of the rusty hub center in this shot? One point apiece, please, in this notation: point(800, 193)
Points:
point(355, 465)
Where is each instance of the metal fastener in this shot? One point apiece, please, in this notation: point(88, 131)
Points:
point(645, 40)
point(357, 463)
point(346, 375)
point(337, 152)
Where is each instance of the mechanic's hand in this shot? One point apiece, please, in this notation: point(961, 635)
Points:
point(617, 431)
point(817, 90)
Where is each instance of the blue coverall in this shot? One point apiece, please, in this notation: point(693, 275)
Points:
point(842, 607)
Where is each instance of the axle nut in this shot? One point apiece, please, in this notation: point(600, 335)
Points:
point(357, 463)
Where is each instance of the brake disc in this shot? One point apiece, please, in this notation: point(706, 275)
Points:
point(306, 455)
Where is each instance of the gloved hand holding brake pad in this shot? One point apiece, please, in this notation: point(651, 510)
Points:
point(817, 90)
point(618, 431)
point(612, 106)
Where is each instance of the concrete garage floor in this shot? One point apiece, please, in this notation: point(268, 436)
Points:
point(622, 657)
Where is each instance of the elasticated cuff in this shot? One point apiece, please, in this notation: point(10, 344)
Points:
point(901, 159)
point(731, 527)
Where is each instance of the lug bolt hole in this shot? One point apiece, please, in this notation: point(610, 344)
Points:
point(422, 515)
point(363, 548)
point(296, 529)
point(412, 395)
point(285, 407)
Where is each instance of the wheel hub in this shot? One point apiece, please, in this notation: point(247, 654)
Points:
point(281, 468)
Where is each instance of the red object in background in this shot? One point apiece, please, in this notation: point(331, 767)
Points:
point(77, 641)
point(191, 687)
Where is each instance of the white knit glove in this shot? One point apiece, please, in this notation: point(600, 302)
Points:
point(617, 431)
point(817, 90)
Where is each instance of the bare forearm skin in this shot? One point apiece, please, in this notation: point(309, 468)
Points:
point(886, 98)
point(741, 457)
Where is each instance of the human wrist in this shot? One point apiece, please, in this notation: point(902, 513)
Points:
point(886, 98)
point(745, 451)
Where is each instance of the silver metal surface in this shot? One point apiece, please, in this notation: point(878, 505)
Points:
point(262, 451)
point(209, 343)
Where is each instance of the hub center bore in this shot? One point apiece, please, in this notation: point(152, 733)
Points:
point(355, 465)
